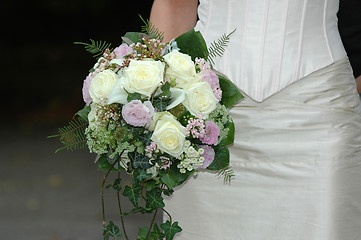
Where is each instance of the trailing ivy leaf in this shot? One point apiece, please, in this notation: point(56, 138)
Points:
point(156, 234)
point(142, 233)
point(134, 96)
point(168, 192)
point(221, 158)
point(170, 179)
point(149, 185)
point(139, 160)
point(141, 174)
point(104, 164)
point(230, 93)
point(193, 44)
point(154, 199)
point(230, 136)
point(111, 230)
point(83, 113)
point(133, 194)
point(116, 185)
point(144, 137)
point(139, 210)
point(170, 229)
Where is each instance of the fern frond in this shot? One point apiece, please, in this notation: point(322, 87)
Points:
point(96, 48)
point(227, 173)
point(73, 135)
point(151, 30)
point(217, 48)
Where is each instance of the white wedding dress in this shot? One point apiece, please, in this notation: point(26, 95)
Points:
point(297, 150)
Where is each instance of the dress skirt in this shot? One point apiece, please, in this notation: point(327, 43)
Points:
point(297, 161)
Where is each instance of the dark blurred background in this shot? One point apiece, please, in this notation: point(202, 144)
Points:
point(48, 196)
point(43, 195)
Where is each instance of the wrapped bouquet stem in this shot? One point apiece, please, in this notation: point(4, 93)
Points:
point(158, 112)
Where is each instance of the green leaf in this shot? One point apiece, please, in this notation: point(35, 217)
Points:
point(221, 158)
point(132, 194)
point(170, 179)
point(229, 139)
point(133, 36)
point(138, 210)
point(193, 44)
point(116, 185)
point(111, 230)
point(170, 229)
point(161, 103)
point(154, 199)
point(83, 113)
point(104, 164)
point(230, 93)
point(140, 174)
point(139, 160)
point(156, 234)
point(142, 233)
point(134, 96)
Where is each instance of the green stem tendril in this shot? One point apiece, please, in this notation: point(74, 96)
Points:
point(120, 209)
point(102, 192)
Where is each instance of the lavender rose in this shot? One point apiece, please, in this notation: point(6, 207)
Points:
point(138, 114)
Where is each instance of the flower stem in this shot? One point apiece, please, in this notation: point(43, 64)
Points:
point(102, 191)
point(120, 211)
point(151, 224)
point(170, 217)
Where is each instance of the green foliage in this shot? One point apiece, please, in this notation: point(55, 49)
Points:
point(111, 230)
point(156, 234)
point(151, 30)
point(154, 199)
point(142, 233)
point(139, 160)
point(227, 173)
point(230, 92)
point(96, 48)
point(133, 194)
point(229, 139)
point(72, 136)
point(217, 48)
point(193, 44)
point(116, 185)
point(170, 229)
point(131, 37)
point(221, 158)
point(83, 113)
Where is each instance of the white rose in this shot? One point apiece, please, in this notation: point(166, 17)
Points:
point(143, 76)
point(200, 99)
point(169, 134)
point(181, 68)
point(102, 85)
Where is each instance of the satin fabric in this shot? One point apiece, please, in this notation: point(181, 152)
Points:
point(275, 43)
point(297, 161)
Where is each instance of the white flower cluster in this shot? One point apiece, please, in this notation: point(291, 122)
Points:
point(192, 158)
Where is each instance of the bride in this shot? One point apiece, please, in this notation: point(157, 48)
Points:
point(297, 152)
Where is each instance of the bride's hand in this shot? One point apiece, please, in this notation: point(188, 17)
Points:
point(358, 82)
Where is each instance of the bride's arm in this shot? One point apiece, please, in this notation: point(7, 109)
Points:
point(174, 17)
point(358, 82)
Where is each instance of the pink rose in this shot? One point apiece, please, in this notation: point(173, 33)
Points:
point(137, 113)
point(207, 75)
point(86, 86)
point(122, 51)
point(211, 133)
point(208, 155)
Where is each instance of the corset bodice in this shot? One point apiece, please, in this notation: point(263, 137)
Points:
point(276, 42)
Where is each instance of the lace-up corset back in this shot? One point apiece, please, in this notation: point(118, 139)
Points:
point(276, 42)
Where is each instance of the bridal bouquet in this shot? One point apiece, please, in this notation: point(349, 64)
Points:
point(156, 111)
